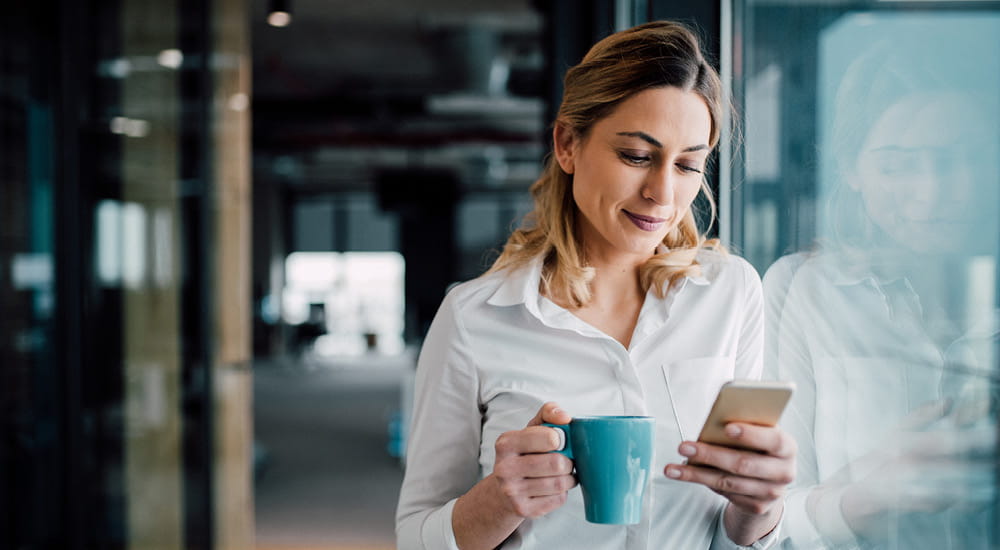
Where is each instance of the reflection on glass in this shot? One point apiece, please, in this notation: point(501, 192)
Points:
point(162, 242)
point(888, 324)
point(133, 247)
point(108, 242)
point(133, 251)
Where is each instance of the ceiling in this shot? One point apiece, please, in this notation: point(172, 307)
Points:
point(349, 88)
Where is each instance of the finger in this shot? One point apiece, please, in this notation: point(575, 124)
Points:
point(748, 504)
point(740, 462)
point(550, 413)
point(925, 415)
point(538, 506)
point(771, 440)
point(533, 466)
point(951, 444)
point(535, 439)
point(970, 410)
point(539, 487)
point(725, 482)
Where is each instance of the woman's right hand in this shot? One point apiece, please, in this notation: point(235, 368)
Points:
point(533, 480)
point(939, 457)
point(528, 481)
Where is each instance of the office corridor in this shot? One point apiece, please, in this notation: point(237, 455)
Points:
point(327, 481)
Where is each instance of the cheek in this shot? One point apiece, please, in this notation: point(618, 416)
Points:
point(687, 192)
point(582, 192)
point(602, 190)
point(587, 198)
point(878, 192)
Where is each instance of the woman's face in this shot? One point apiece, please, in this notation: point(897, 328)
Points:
point(925, 167)
point(637, 171)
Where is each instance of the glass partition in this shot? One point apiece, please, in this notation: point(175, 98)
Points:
point(124, 256)
point(868, 188)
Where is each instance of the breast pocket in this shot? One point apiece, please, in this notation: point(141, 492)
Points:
point(692, 385)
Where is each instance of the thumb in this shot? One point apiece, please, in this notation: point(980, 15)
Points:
point(550, 413)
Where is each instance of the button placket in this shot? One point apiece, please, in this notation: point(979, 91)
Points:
point(633, 404)
point(633, 396)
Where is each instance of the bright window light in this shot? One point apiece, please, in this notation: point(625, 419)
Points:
point(171, 58)
point(279, 18)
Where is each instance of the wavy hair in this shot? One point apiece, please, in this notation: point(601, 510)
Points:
point(654, 55)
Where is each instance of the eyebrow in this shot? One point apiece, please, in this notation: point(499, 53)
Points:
point(654, 142)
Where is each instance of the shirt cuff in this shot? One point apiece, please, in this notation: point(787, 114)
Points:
point(798, 526)
point(436, 532)
point(721, 540)
point(830, 519)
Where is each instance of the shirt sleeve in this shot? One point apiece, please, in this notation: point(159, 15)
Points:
point(721, 540)
point(442, 458)
point(750, 349)
point(788, 358)
point(808, 522)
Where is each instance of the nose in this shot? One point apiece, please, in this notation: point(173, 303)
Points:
point(922, 193)
point(923, 189)
point(659, 186)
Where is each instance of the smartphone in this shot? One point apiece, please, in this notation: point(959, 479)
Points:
point(750, 401)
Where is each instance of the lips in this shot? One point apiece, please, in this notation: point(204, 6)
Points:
point(645, 223)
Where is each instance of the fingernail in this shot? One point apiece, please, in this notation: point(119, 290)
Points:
point(733, 431)
point(687, 450)
point(556, 410)
point(560, 439)
point(673, 472)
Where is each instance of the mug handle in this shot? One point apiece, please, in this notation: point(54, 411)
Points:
point(567, 449)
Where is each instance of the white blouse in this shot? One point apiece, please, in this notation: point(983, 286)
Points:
point(860, 351)
point(497, 350)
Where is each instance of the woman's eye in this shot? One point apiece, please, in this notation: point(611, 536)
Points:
point(637, 160)
point(688, 169)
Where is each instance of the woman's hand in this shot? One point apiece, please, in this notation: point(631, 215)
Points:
point(532, 479)
point(752, 477)
point(528, 481)
point(940, 456)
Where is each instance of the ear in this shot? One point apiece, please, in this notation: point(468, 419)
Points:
point(564, 141)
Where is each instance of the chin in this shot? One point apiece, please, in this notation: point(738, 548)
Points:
point(645, 248)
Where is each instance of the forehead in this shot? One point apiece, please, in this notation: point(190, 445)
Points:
point(928, 120)
point(671, 115)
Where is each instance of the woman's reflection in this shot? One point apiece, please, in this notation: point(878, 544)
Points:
point(888, 327)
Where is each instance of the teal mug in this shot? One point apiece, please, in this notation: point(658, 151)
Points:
point(613, 456)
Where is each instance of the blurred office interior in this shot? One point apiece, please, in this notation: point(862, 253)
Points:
point(224, 234)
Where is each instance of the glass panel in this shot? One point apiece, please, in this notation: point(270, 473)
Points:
point(108, 247)
point(147, 121)
point(870, 204)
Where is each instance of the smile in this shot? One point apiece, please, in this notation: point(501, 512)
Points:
point(646, 223)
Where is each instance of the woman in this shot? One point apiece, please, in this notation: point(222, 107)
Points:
point(609, 301)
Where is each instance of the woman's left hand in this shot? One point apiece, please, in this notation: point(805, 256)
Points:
point(752, 477)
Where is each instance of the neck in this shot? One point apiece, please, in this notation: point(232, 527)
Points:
point(616, 300)
point(617, 281)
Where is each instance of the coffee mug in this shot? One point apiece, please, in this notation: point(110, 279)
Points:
point(612, 456)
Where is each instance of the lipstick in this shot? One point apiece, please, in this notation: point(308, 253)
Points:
point(646, 223)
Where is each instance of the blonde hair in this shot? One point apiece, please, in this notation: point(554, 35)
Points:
point(653, 55)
